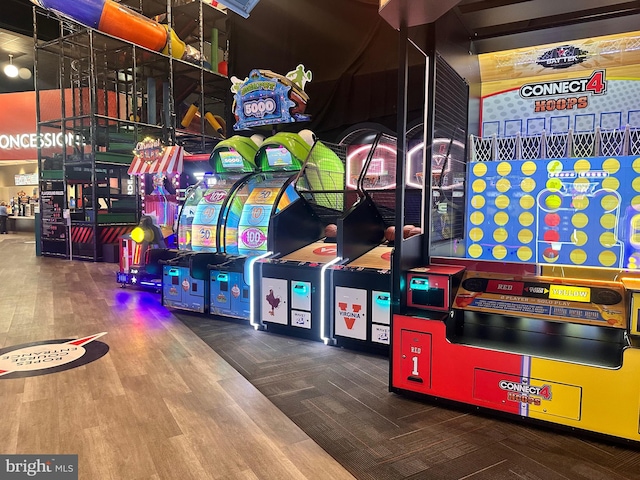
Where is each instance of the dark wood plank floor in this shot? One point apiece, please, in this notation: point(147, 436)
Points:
point(340, 398)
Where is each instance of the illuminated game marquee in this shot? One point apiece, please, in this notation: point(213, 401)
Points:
point(571, 211)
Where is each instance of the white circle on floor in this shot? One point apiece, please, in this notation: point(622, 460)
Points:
point(40, 357)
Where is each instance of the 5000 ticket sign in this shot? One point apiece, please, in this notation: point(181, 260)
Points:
point(570, 211)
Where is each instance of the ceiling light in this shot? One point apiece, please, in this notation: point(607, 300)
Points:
point(11, 70)
point(24, 73)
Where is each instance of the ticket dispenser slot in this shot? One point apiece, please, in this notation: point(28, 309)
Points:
point(223, 281)
point(301, 295)
point(426, 296)
point(431, 288)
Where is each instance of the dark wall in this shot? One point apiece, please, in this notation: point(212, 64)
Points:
point(350, 49)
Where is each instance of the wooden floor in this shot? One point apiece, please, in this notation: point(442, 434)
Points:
point(161, 404)
point(185, 396)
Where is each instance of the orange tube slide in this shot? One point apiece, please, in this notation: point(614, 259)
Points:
point(119, 21)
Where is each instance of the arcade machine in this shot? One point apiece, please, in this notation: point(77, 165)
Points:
point(540, 318)
point(288, 290)
point(160, 173)
point(201, 221)
point(360, 307)
point(246, 229)
point(262, 99)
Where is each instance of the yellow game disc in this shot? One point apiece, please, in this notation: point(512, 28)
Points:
point(607, 258)
point(608, 240)
point(554, 166)
point(608, 221)
point(579, 238)
point(527, 185)
point(528, 168)
point(611, 183)
point(525, 219)
point(525, 235)
point(503, 185)
point(527, 201)
point(609, 202)
point(475, 250)
point(525, 253)
point(636, 184)
point(479, 169)
point(477, 201)
point(636, 165)
point(554, 184)
point(611, 165)
point(500, 235)
point(582, 166)
point(476, 234)
point(502, 201)
point(479, 186)
point(476, 218)
point(578, 256)
point(580, 202)
point(581, 185)
point(579, 220)
point(501, 218)
point(504, 168)
point(553, 202)
point(499, 252)
point(635, 203)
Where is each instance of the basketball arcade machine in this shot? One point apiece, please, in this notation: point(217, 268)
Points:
point(540, 317)
point(358, 310)
point(289, 288)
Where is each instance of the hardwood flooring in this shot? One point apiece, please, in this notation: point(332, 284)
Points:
point(161, 404)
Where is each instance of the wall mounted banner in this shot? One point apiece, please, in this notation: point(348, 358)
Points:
point(50, 356)
point(582, 85)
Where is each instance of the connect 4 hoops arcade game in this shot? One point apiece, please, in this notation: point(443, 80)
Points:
point(535, 311)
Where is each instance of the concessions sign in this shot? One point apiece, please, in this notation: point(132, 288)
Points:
point(266, 98)
point(545, 298)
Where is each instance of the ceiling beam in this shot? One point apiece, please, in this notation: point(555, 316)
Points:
point(555, 21)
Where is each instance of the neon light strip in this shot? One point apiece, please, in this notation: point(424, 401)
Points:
point(323, 297)
point(351, 160)
point(253, 289)
point(409, 174)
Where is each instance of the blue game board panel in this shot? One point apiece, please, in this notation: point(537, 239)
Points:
point(572, 211)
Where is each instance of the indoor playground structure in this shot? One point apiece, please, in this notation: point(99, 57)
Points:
point(112, 18)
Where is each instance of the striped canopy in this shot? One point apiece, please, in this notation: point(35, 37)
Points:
point(170, 161)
